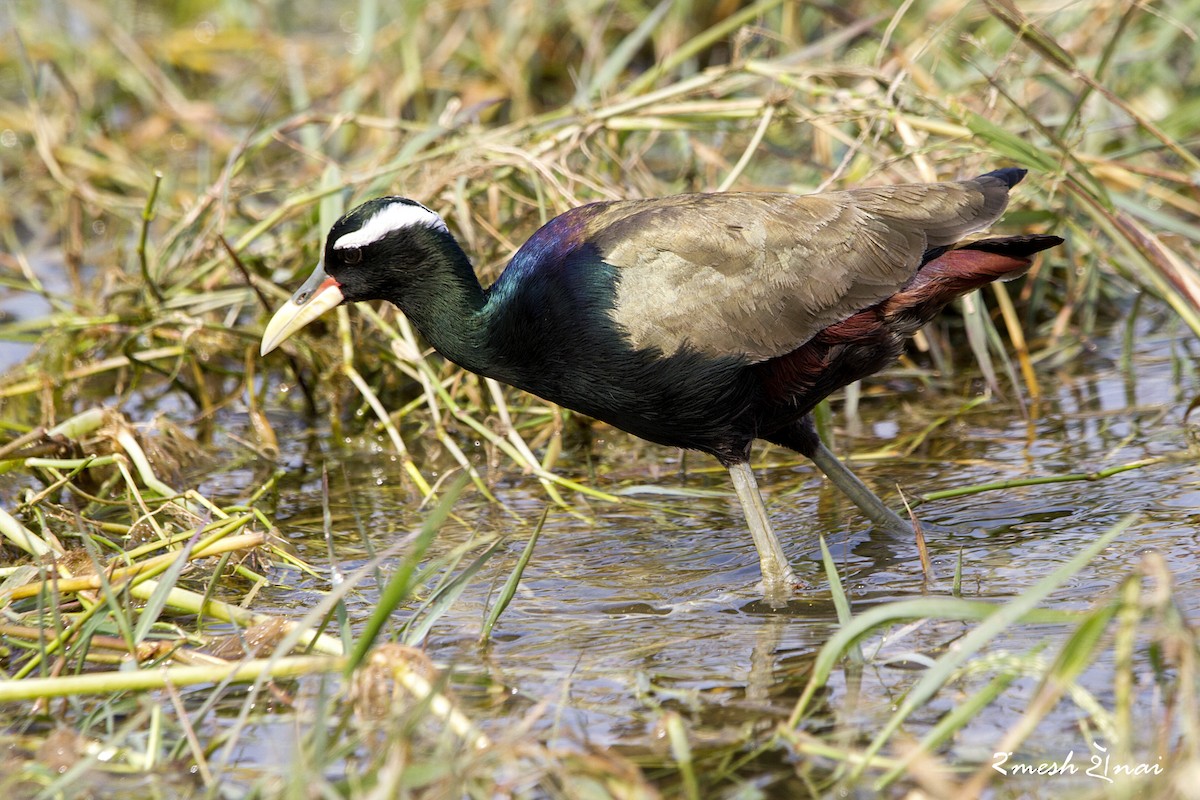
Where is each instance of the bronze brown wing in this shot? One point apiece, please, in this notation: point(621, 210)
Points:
point(765, 272)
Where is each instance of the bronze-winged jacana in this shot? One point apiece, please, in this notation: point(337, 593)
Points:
point(703, 321)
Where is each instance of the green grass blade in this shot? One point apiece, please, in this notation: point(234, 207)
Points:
point(166, 583)
point(620, 56)
point(837, 593)
point(398, 588)
point(447, 595)
point(514, 579)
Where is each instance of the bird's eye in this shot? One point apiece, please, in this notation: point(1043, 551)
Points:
point(352, 256)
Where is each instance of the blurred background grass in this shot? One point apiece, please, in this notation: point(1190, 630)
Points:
point(264, 121)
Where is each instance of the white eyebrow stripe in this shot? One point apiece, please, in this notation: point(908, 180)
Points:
point(391, 217)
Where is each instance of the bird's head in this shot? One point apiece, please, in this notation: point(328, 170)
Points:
point(367, 254)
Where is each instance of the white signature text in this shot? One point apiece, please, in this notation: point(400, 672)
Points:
point(1099, 766)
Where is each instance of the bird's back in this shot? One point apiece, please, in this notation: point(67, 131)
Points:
point(759, 274)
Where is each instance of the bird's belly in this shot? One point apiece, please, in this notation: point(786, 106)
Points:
point(685, 400)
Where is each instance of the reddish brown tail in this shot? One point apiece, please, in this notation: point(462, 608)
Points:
point(955, 272)
point(867, 341)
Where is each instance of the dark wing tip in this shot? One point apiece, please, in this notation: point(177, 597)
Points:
point(1016, 246)
point(1009, 176)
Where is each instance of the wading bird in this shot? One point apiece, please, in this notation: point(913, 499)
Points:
point(702, 321)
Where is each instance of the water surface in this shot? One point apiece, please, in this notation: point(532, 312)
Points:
point(625, 611)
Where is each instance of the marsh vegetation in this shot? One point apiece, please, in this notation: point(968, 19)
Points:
point(352, 570)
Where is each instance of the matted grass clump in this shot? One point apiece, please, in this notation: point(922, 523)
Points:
point(168, 176)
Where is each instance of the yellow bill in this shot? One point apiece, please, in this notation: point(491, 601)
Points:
point(319, 294)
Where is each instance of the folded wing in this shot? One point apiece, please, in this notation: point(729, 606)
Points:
point(760, 274)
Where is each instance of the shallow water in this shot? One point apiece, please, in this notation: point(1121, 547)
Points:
point(629, 610)
point(624, 610)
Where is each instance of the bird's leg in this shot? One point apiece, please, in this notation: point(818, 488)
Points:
point(778, 578)
point(802, 437)
point(866, 500)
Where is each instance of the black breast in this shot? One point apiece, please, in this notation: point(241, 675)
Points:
point(553, 334)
